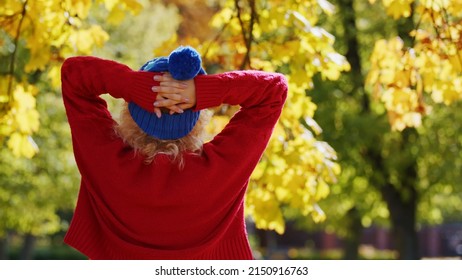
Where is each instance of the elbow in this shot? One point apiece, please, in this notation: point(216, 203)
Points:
point(68, 69)
point(281, 86)
point(67, 66)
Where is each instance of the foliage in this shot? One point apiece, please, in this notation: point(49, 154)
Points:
point(439, 165)
point(296, 169)
point(33, 191)
point(132, 41)
point(35, 36)
point(402, 76)
point(371, 154)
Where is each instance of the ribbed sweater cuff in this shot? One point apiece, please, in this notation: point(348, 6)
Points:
point(140, 90)
point(209, 91)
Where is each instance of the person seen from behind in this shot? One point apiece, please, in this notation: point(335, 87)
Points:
point(150, 187)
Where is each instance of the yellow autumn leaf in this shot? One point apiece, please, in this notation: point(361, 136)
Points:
point(98, 35)
point(318, 214)
point(84, 40)
point(24, 98)
point(264, 208)
point(259, 171)
point(224, 15)
point(110, 4)
point(322, 190)
point(81, 41)
point(116, 15)
point(436, 5)
point(398, 8)
point(39, 58)
point(80, 7)
point(28, 121)
point(134, 6)
point(22, 145)
point(54, 74)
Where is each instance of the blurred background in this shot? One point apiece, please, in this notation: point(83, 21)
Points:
point(365, 162)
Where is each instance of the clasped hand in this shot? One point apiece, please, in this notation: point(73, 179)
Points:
point(173, 95)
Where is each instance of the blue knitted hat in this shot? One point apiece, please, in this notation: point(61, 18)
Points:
point(184, 63)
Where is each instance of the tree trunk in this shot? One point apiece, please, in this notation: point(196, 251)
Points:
point(356, 78)
point(353, 239)
point(403, 219)
point(402, 205)
point(4, 247)
point(402, 202)
point(28, 246)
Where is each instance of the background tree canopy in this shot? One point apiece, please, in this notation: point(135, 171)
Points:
point(370, 133)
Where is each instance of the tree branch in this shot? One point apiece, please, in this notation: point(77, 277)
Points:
point(247, 36)
point(253, 15)
point(13, 55)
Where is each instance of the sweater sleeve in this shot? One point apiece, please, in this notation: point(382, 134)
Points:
point(236, 150)
point(85, 78)
point(244, 88)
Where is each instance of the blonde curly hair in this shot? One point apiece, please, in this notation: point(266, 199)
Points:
point(149, 146)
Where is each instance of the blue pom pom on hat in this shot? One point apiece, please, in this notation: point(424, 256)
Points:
point(184, 63)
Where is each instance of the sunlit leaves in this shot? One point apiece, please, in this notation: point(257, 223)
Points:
point(22, 145)
point(402, 75)
point(394, 80)
point(33, 191)
point(297, 173)
point(85, 40)
point(398, 8)
point(118, 9)
point(44, 33)
point(21, 121)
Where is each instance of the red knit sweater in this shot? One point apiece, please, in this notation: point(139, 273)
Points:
point(127, 209)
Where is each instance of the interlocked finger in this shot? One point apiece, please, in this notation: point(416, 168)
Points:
point(165, 89)
point(161, 102)
point(174, 96)
point(165, 103)
point(165, 77)
point(174, 84)
point(173, 110)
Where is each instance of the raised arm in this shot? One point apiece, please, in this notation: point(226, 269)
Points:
point(85, 78)
point(229, 159)
point(233, 154)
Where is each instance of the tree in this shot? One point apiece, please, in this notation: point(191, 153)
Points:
point(388, 174)
point(430, 64)
point(296, 169)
